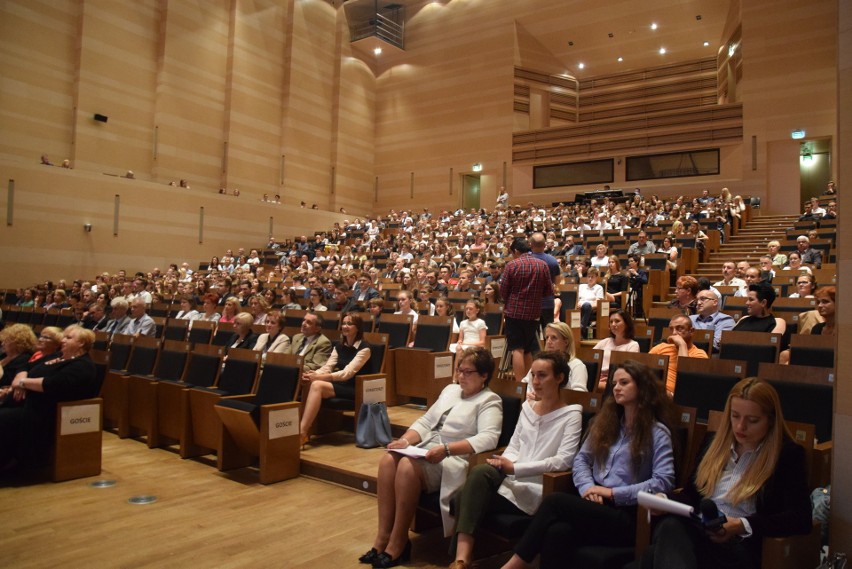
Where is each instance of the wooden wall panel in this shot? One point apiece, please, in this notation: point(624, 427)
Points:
point(158, 224)
point(190, 114)
point(254, 113)
point(37, 71)
point(117, 78)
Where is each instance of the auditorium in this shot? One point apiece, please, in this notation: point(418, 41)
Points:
point(242, 177)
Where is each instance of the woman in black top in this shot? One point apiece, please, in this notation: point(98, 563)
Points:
point(18, 345)
point(337, 377)
point(29, 426)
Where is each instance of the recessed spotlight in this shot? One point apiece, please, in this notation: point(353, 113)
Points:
point(698, 17)
point(620, 59)
point(377, 51)
point(570, 43)
point(582, 65)
point(662, 51)
point(610, 34)
point(707, 44)
point(654, 26)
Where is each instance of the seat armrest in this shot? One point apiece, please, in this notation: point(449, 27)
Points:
point(553, 482)
point(478, 458)
point(246, 398)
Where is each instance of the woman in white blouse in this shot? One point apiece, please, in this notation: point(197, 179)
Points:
point(545, 440)
point(337, 377)
point(466, 419)
point(600, 260)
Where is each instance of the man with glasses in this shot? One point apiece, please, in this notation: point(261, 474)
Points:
point(311, 344)
point(810, 256)
point(708, 316)
point(678, 344)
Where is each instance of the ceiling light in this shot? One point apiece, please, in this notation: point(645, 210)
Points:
point(582, 66)
point(620, 59)
point(707, 44)
point(377, 51)
point(654, 26)
point(662, 51)
point(570, 43)
point(610, 34)
point(698, 17)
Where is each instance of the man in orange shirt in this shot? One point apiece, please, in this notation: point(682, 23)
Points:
point(679, 344)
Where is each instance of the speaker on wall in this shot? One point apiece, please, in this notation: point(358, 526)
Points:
point(101, 118)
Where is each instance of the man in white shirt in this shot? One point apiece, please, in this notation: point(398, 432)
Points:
point(729, 276)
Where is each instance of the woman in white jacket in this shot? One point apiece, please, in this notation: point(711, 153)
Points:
point(466, 418)
point(546, 439)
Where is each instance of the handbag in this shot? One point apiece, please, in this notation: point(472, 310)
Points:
point(374, 428)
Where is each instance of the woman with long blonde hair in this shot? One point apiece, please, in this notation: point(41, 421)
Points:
point(755, 475)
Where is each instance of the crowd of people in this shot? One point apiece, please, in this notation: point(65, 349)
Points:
point(513, 257)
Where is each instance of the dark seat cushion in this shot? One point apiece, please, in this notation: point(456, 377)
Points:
point(250, 408)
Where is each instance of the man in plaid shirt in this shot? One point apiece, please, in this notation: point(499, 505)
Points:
point(525, 281)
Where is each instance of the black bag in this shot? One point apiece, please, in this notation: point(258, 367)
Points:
point(373, 426)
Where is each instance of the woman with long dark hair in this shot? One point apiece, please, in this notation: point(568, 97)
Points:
point(628, 449)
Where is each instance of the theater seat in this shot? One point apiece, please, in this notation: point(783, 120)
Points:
point(264, 426)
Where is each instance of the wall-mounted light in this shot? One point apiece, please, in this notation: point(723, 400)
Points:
point(798, 134)
point(87, 227)
point(477, 167)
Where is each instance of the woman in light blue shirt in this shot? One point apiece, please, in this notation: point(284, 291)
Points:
point(628, 449)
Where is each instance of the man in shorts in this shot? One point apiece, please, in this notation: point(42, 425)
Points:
point(526, 280)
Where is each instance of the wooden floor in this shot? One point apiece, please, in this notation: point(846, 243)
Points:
point(202, 518)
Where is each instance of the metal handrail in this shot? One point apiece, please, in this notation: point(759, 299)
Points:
point(381, 27)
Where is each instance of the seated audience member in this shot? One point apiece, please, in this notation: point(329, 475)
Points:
point(187, 308)
point(443, 307)
point(642, 246)
point(617, 282)
point(315, 300)
point(95, 317)
point(336, 378)
point(545, 440)
point(826, 308)
point(709, 317)
point(273, 340)
point(491, 294)
point(310, 343)
point(119, 321)
point(628, 449)
point(600, 260)
point(210, 313)
point(729, 275)
point(140, 323)
point(767, 270)
point(810, 256)
point(28, 427)
point(752, 276)
point(620, 339)
point(48, 345)
point(18, 344)
point(230, 310)
point(755, 474)
point(465, 419)
point(805, 286)
point(472, 330)
point(289, 298)
point(795, 263)
point(678, 344)
point(686, 290)
point(589, 294)
point(774, 250)
point(759, 318)
point(258, 308)
point(243, 336)
point(558, 338)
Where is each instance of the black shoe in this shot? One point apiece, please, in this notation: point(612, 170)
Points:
point(370, 557)
point(383, 561)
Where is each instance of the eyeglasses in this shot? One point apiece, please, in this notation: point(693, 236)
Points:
point(465, 372)
point(800, 283)
point(705, 299)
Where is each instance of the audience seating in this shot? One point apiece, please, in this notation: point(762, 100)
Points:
point(264, 425)
point(239, 377)
point(170, 366)
point(176, 329)
point(806, 392)
point(428, 360)
point(705, 384)
point(201, 331)
point(77, 445)
point(810, 350)
point(205, 363)
point(752, 347)
point(658, 364)
point(114, 390)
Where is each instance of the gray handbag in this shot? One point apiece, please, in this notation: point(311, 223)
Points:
point(373, 428)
